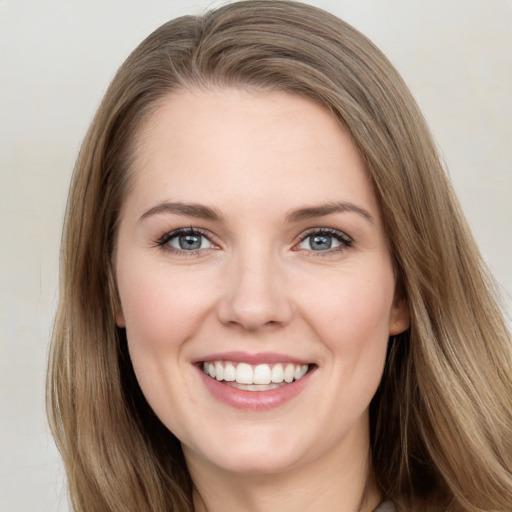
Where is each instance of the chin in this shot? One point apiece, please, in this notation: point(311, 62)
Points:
point(251, 454)
point(258, 463)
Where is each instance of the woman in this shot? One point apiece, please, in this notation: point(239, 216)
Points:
point(269, 294)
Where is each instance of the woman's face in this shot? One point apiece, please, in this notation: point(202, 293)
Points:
point(255, 280)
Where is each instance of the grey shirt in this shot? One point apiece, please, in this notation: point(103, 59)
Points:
point(385, 506)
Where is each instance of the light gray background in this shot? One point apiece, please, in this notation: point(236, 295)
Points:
point(56, 59)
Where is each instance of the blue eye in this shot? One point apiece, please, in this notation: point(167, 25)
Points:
point(185, 240)
point(325, 240)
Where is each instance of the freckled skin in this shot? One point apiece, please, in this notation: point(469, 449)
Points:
point(256, 285)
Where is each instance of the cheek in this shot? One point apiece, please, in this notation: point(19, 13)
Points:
point(353, 323)
point(160, 308)
point(161, 314)
point(356, 308)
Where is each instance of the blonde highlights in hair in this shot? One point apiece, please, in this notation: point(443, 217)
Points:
point(441, 419)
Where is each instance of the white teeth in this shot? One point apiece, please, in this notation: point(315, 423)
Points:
point(219, 371)
point(262, 374)
point(300, 371)
point(277, 373)
point(254, 378)
point(254, 387)
point(289, 372)
point(229, 372)
point(244, 374)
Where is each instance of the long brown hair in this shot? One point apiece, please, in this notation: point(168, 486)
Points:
point(441, 419)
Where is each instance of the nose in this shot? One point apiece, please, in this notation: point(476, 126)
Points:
point(255, 294)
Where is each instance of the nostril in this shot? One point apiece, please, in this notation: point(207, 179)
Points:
point(254, 303)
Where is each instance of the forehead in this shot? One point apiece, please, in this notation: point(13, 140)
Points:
point(253, 147)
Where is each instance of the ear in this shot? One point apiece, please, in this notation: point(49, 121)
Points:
point(120, 318)
point(399, 319)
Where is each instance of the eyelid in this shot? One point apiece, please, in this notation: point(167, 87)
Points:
point(162, 242)
point(345, 240)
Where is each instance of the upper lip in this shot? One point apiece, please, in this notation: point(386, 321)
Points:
point(252, 358)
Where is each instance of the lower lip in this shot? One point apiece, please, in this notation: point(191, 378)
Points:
point(254, 400)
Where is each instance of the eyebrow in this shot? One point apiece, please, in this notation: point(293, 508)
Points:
point(189, 210)
point(311, 212)
point(205, 212)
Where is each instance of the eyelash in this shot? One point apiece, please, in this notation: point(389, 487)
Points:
point(163, 242)
point(345, 241)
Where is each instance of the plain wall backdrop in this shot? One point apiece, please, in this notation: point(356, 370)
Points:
point(56, 60)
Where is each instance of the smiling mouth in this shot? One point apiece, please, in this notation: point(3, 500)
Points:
point(260, 377)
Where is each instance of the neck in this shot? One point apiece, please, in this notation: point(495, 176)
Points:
point(332, 484)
